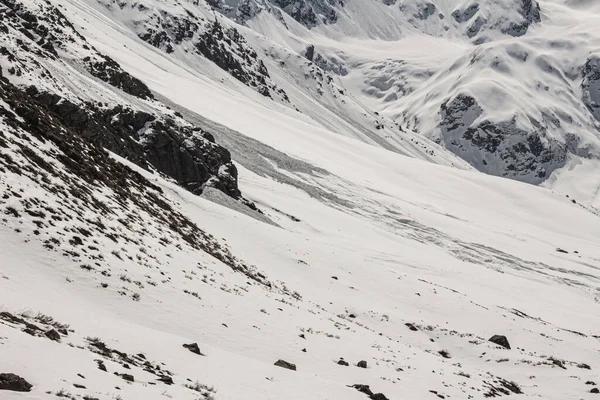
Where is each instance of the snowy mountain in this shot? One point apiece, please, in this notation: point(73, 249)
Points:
point(268, 199)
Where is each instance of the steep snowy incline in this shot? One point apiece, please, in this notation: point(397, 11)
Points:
point(346, 270)
point(244, 63)
point(360, 253)
point(509, 86)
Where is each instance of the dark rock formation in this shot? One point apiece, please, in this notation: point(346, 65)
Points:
point(126, 377)
point(465, 14)
point(500, 340)
point(367, 390)
point(182, 152)
point(343, 362)
point(14, 383)
point(411, 326)
point(286, 365)
point(52, 335)
point(109, 71)
point(52, 31)
point(590, 85)
point(362, 364)
point(499, 148)
point(193, 347)
point(530, 11)
point(81, 163)
point(222, 45)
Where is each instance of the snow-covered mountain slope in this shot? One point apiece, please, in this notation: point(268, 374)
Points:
point(508, 86)
point(152, 198)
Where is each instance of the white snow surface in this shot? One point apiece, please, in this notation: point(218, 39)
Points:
point(387, 229)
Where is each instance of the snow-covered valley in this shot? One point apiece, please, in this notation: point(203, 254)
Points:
point(192, 173)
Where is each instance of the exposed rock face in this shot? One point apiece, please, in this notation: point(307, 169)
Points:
point(590, 85)
point(307, 12)
point(34, 24)
point(331, 64)
point(109, 71)
point(178, 150)
point(499, 148)
point(228, 49)
point(174, 27)
point(14, 383)
point(63, 161)
point(528, 14)
point(166, 143)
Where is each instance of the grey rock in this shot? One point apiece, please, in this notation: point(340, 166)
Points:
point(285, 364)
point(14, 383)
point(500, 340)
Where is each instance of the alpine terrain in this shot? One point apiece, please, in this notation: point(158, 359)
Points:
point(299, 199)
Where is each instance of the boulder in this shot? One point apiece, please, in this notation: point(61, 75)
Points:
point(193, 347)
point(363, 389)
point(362, 364)
point(14, 383)
point(286, 365)
point(52, 335)
point(500, 340)
point(343, 362)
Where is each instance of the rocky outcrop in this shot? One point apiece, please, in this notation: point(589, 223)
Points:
point(495, 18)
point(110, 72)
point(530, 11)
point(332, 64)
point(590, 85)
point(169, 145)
point(499, 148)
point(228, 49)
point(51, 31)
point(179, 27)
point(64, 157)
point(309, 13)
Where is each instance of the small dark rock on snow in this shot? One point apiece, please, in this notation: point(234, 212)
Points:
point(166, 379)
point(193, 347)
point(362, 364)
point(412, 327)
point(367, 390)
point(363, 389)
point(500, 340)
point(343, 362)
point(590, 383)
point(101, 365)
point(595, 390)
point(127, 377)
point(52, 335)
point(286, 365)
point(14, 383)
